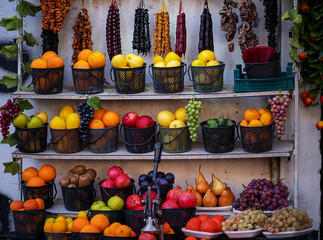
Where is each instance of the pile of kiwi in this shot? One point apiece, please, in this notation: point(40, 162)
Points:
point(79, 176)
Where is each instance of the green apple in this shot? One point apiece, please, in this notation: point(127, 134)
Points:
point(105, 208)
point(211, 121)
point(177, 124)
point(50, 220)
point(115, 203)
point(20, 121)
point(97, 205)
point(34, 122)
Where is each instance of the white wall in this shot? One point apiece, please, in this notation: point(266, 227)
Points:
point(234, 172)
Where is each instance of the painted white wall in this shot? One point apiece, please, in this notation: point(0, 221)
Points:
point(234, 172)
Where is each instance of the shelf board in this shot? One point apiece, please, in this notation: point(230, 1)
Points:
point(59, 209)
point(149, 94)
point(280, 149)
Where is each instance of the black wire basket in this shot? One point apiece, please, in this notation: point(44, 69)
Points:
point(86, 236)
point(168, 79)
point(123, 193)
point(104, 140)
point(129, 80)
point(66, 140)
point(31, 140)
point(207, 79)
point(47, 192)
point(135, 220)
point(47, 80)
point(117, 238)
point(175, 140)
point(112, 215)
point(58, 236)
point(88, 81)
point(29, 223)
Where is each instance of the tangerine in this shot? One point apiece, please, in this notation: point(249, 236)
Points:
point(266, 119)
point(133, 234)
point(112, 229)
point(39, 63)
point(96, 60)
point(47, 172)
point(41, 203)
point(123, 231)
point(49, 55)
point(244, 123)
point(203, 217)
point(36, 182)
point(89, 228)
point(96, 124)
point(251, 114)
point(100, 221)
point(79, 223)
point(98, 114)
point(59, 227)
point(194, 224)
point(29, 173)
point(84, 54)
point(81, 65)
point(111, 119)
point(31, 204)
point(255, 123)
point(55, 62)
point(210, 226)
point(48, 227)
point(16, 205)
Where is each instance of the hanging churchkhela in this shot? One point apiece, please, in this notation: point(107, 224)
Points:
point(271, 21)
point(113, 37)
point(180, 46)
point(206, 32)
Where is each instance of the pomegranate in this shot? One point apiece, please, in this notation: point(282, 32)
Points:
point(174, 194)
point(170, 204)
point(114, 171)
point(147, 236)
point(153, 196)
point(187, 200)
point(108, 183)
point(122, 180)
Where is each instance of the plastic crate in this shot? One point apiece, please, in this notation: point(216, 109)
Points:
point(285, 81)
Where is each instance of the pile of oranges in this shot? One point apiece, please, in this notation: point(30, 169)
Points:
point(116, 229)
point(31, 204)
point(48, 60)
point(102, 119)
point(35, 178)
point(254, 118)
point(87, 59)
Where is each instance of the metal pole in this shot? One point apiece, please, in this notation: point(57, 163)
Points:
point(20, 66)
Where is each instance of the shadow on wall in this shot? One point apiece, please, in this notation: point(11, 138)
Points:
point(4, 214)
point(10, 65)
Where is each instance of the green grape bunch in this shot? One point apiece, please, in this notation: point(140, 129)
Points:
point(193, 112)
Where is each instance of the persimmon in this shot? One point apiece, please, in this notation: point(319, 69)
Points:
point(203, 217)
point(210, 226)
point(41, 203)
point(31, 204)
point(193, 224)
point(16, 205)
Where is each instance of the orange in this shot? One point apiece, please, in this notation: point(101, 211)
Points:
point(100, 221)
point(244, 123)
point(96, 60)
point(29, 173)
point(123, 231)
point(263, 110)
point(48, 227)
point(31, 204)
point(41, 203)
point(81, 65)
point(79, 223)
point(166, 228)
point(191, 238)
point(98, 114)
point(111, 231)
point(47, 172)
point(266, 119)
point(171, 231)
point(111, 119)
point(210, 226)
point(133, 234)
point(255, 123)
point(49, 55)
point(39, 63)
point(251, 114)
point(193, 224)
point(59, 227)
point(96, 124)
point(203, 217)
point(89, 228)
point(84, 54)
point(36, 182)
point(16, 205)
point(55, 62)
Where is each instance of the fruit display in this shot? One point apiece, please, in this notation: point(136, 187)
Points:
point(162, 42)
point(132, 120)
point(162, 179)
point(193, 111)
point(37, 178)
point(177, 198)
point(219, 122)
point(247, 220)
point(180, 46)
point(262, 194)
point(79, 176)
point(288, 219)
point(67, 119)
point(49, 60)
point(82, 35)
point(279, 105)
point(206, 32)
point(141, 36)
point(113, 37)
point(28, 205)
point(116, 178)
point(129, 61)
point(271, 21)
point(254, 118)
point(204, 223)
point(205, 58)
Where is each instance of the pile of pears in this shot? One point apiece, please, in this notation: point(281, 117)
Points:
point(214, 194)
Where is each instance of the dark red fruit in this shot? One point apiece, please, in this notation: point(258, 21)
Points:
point(305, 7)
point(321, 99)
point(308, 101)
point(312, 38)
point(313, 97)
point(304, 95)
point(302, 56)
point(319, 125)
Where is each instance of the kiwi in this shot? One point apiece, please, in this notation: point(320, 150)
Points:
point(91, 173)
point(71, 185)
point(84, 180)
point(70, 173)
point(75, 179)
point(65, 181)
point(79, 169)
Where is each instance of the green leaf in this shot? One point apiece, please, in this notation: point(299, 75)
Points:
point(26, 8)
point(298, 19)
point(293, 55)
point(11, 167)
point(294, 41)
point(9, 50)
point(26, 88)
point(11, 24)
point(9, 140)
point(10, 80)
point(315, 104)
point(24, 104)
point(11, 0)
point(289, 15)
point(30, 40)
point(95, 103)
point(27, 67)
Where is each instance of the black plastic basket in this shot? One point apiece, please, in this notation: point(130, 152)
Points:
point(88, 81)
point(139, 140)
point(66, 140)
point(117, 238)
point(57, 236)
point(31, 140)
point(47, 80)
point(207, 79)
point(86, 236)
point(257, 139)
point(47, 192)
point(123, 193)
point(218, 140)
point(29, 223)
point(104, 140)
point(168, 79)
point(262, 70)
point(135, 220)
point(112, 215)
point(78, 198)
point(129, 80)
point(175, 140)
point(163, 191)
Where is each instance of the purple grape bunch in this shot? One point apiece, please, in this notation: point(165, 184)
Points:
point(279, 106)
point(262, 194)
point(8, 112)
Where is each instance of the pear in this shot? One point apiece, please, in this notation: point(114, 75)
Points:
point(226, 198)
point(209, 199)
point(217, 186)
point(197, 194)
point(201, 184)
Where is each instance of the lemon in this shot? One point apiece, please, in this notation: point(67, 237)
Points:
point(73, 120)
point(160, 64)
point(180, 114)
point(129, 56)
point(171, 56)
point(69, 220)
point(119, 61)
point(65, 111)
point(173, 63)
point(213, 63)
point(198, 63)
point(82, 214)
point(69, 226)
point(164, 118)
point(157, 60)
point(61, 219)
point(136, 61)
point(206, 56)
point(57, 123)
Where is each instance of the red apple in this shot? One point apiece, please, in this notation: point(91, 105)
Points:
point(304, 95)
point(122, 180)
point(133, 201)
point(114, 171)
point(174, 194)
point(170, 204)
point(147, 236)
point(108, 183)
point(319, 125)
point(153, 196)
point(144, 122)
point(187, 200)
point(308, 101)
point(130, 119)
point(139, 208)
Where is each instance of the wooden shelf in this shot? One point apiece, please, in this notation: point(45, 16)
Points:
point(280, 149)
point(149, 94)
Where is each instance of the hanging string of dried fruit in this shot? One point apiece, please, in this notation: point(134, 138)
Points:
point(229, 20)
point(206, 32)
point(249, 17)
point(180, 46)
point(54, 14)
point(271, 21)
point(141, 37)
point(162, 43)
point(113, 36)
point(82, 34)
